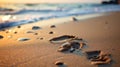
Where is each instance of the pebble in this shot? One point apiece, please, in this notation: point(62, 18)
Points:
point(29, 32)
point(1, 37)
point(18, 26)
point(23, 39)
point(50, 32)
point(7, 31)
point(35, 33)
point(52, 26)
point(74, 19)
point(15, 32)
point(36, 28)
point(3, 29)
point(41, 38)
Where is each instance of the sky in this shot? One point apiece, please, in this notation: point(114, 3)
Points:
point(50, 1)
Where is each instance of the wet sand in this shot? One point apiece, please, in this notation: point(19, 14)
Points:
point(100, 33)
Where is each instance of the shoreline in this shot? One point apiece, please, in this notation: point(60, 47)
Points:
point(58, 20)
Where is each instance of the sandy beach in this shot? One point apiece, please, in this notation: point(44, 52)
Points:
point(100, 33)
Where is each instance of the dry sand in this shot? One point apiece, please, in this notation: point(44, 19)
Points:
point(101, 33)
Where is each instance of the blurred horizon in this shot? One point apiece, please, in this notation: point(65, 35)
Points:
point(51, 1)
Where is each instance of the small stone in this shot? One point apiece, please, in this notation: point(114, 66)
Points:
point(59, 63)
point(29, 32)
point(35, 33)
point(50, 32)
point(18, 26)
point(36, 28)
point(52, 26)
point(1, 37)
point(3, 29)
point(41, 38)
point(7, 31)
point(23, 39)
point(15, 32)
point(74, 19)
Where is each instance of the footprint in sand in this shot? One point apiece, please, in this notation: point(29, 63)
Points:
point(62, 39)
point(98, 57)
point(68, 43)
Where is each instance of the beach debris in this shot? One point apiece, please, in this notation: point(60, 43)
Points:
point(51, 32)
point(23, 39)
point(59, 63)
point(18, 26)
point(99, 57)
point(36, 28)
point(74, 19)
point(1, 37)
point(52, 26)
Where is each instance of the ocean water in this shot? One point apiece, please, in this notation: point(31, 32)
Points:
point(17, 14)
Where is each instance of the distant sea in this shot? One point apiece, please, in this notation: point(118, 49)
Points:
point(17, 14)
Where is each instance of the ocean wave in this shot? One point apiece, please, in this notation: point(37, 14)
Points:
point(29, 13)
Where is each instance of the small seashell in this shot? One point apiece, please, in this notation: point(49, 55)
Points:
point(72, 49)
point(23, 39)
